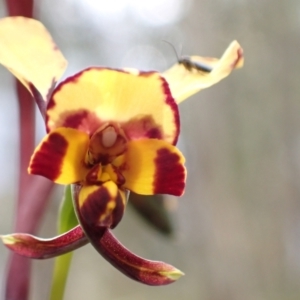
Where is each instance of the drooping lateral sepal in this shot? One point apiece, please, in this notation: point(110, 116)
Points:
point(145, 271)
point(33, 247)
point(60, 156)
point(100, 205)
point(135, 267)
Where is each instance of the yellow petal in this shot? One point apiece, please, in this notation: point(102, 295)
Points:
point(140, 103)
point(60, 156)
point(28, 52)
point(184, 82)
point(152, 166)
point(100, 205)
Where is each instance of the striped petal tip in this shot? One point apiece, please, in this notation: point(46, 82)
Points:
point(29, 53)
point(152, 166)
point(60, 156)
point(195, 73)
point(100, 205)
point(33, 247)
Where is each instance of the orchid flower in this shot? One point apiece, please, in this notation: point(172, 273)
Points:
point(109, 132)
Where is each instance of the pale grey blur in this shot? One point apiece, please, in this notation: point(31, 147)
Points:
point(238, 224)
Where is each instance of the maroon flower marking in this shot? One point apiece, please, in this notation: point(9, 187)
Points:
point(53, 150)
point(173, 170)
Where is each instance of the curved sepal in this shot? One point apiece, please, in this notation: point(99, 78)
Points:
point(33, 247)
point(185, 82)
point(135, 267)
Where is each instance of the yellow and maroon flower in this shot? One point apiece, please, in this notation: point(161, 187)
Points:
point(109, 131)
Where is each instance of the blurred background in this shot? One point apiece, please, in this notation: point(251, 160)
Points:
point(237, 227)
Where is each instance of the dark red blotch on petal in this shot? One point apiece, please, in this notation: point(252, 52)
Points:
point(48, 160)
point(170, 173)
point(74, 120)
point(141, 127)
point(154, 133)
point(95, 206)
point(80, 119)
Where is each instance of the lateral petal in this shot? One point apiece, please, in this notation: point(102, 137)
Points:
point(152, 166)
point(140, 102)
point(28, 52)
point(184, 82)
point(60, 156)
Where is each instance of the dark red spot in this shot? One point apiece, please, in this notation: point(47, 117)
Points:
point(104, 158)
point(48, 160)
point(170, 173)
point(92, 176)
point(95, 206)
point(74, 120)
point(154, 133)
point(142, 127)
point(120, 178)
point(80, 119)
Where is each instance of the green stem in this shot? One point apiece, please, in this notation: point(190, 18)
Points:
point(67, 220)
point(60, 276)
